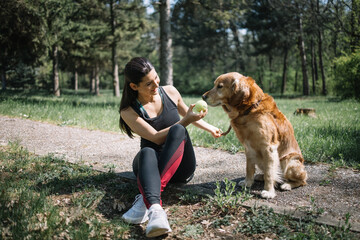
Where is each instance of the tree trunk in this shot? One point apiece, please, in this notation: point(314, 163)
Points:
point(238, 57)
point(335, 33)
point(3, 79)
point(316, 68)
point(303, 58)
point(166, 69)
point(260, 73)
point(56, 72)
point(313, 68)
point(116, 79)
point(324, 90)
point(321, 65)
point(76, 81)
point(115, 67)
point(283, 84)
point(92, 80)
point(97, 80)
point(271, 73)
point(355, 29)
point(296, 81)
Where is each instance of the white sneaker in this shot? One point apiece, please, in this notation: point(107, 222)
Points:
point(158, 222)
point(138, 213)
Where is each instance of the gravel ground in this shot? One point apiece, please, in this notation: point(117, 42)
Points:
point(336, 192)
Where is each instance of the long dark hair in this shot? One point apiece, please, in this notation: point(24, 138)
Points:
point(135, 70)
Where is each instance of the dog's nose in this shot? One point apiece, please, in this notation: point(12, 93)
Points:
point(204, 97)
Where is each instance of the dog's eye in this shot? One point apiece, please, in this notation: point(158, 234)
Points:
point(219, 86)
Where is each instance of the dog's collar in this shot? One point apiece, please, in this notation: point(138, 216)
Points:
point(255, 105)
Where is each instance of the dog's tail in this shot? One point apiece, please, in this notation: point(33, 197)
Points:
point(294, 169)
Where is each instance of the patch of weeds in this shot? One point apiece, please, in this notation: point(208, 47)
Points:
point(47, 177)
point(311, 230)
point(193, 231)
point(174, 209)
point(53, 200)
point(204, 211)
point(343, 231)
point(325, 182)
point(110, 166)
point(314, 210)
point(69, 122)
point(227, 198)
point(330, 174)
point(26, 214)
point(189, 196)
point(89, 198)
point(225, 221)
point(262, 220)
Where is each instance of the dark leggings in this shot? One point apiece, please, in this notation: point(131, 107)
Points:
point(155, 169)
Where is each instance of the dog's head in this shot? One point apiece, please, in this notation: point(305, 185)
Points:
point(232, 89)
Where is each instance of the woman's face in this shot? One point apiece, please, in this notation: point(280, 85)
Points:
point(149, 84)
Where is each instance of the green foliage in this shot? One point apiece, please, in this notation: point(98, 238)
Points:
point(209, 38)
point(263, 220)
point(203, 48)
point(193, 231)
point(21, 34)
point(228, 199)
point(347, 75)
point(189, 196)
point(21, 76)
point(76, 202)
point(332, 137)
point(48, 198)
point(224, 221)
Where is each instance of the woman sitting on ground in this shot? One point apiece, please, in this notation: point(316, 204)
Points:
point(152, 112)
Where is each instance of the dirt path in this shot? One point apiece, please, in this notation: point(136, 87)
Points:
point(337, 192)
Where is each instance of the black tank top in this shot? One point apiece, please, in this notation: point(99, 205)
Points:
point(168, 117)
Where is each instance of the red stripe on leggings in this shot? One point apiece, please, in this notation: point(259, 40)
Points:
point(172, 165)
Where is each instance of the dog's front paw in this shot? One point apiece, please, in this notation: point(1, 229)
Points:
point(246, 183)
point(286, 187)
point(268, 194)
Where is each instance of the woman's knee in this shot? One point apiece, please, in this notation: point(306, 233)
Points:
point(145, 155)
point(177, 131)
point(146, 151)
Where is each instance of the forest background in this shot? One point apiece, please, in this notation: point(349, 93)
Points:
point(290, 47)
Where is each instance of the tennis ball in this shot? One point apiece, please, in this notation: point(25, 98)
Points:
point(200, 105)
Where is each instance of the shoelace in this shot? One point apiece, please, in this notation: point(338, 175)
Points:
point(137, 200)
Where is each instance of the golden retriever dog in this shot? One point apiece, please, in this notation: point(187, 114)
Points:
point(266, 134)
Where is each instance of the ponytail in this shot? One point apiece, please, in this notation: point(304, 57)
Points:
point(135, 70)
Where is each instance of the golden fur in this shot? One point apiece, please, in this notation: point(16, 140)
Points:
point(266, 134)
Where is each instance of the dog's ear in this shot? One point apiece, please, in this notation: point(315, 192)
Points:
point(235, 85)
point(241, 91)
point(241, 87)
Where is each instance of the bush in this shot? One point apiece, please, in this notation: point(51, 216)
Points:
point(347, 75)
point(21, 76)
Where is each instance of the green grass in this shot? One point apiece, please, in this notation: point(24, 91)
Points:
point(48, 198)
point(44, 197)
point(333, 137)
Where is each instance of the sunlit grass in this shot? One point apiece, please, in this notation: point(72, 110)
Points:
point(49, 198)
point(44, 197)
point(332, 137)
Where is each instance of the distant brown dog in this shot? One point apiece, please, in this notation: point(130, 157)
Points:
point(263, 130)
